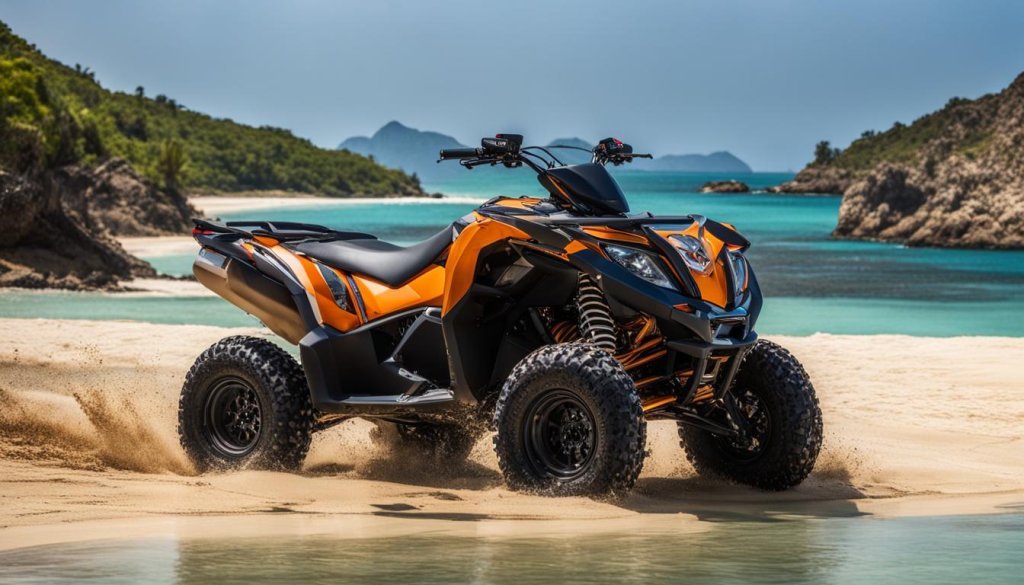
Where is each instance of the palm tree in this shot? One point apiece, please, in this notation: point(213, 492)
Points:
point(171, 162)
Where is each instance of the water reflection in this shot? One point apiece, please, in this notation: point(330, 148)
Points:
point(838, 550)
point(793, 552)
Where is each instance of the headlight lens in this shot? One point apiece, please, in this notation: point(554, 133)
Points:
point(740, 270)
point(641, 263)
point(696, 254)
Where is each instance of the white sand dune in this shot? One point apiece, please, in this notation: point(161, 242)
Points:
point(88, 447)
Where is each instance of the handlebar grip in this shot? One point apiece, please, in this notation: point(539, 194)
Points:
point(450, 153)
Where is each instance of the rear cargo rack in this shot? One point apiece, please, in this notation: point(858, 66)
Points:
point(283, 231)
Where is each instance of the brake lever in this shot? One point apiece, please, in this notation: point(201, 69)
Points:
point(475, 162)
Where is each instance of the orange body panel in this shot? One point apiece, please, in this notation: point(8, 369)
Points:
point(330, 313)
point(327, 311)
point(607, 233)
point(380, 300)
point(713, 286)
point(463, 255)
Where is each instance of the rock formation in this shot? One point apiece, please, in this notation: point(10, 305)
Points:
point(730, 186)
point(58, 226)
point(953, 178)
point(824, 180)
point(965, 188)
point(113, 197)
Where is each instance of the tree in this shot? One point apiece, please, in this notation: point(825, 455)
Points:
point(824, 153)
point(140, 92)
point(171, 162)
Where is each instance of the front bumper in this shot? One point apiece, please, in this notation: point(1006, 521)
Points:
point(702, 337)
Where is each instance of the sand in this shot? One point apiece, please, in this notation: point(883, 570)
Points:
point(88, 448)
point(159, 245)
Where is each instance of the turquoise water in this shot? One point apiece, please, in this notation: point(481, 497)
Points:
point(812, 282)
point(174, 264)
point(853, 551)
point(205, 310)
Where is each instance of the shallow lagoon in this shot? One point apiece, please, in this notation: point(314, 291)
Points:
point(935, 550)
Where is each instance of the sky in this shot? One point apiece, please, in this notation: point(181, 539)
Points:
point(763, 79)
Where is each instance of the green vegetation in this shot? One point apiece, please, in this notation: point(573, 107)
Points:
point(52, 115)
point(904, 144)
point(171, 162)
point(824, 153)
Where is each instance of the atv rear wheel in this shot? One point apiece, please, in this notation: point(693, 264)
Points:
point(774, 395)
point(569, 422)
point(245, 404)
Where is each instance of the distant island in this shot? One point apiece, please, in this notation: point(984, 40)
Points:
point(400, 147)
point(952, 178)
point(716, 162)
point(415, 151)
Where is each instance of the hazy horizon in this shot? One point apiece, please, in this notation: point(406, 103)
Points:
point(764, 81)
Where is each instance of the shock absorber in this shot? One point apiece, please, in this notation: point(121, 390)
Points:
point(596, 323)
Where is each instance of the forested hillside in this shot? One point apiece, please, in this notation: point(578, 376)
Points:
point(53, 115)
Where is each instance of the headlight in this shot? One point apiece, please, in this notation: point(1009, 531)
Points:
point(740, 271)
point(696, 254)
point(641, 263)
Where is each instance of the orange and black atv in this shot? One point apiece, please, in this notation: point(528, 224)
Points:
point(562, 323)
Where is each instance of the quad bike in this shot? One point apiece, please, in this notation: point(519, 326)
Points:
point(562, 323)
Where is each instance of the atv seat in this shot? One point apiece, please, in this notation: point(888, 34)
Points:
point(393, 265)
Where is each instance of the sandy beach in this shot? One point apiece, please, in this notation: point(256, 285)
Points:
point(87, 441)
point(159, 245)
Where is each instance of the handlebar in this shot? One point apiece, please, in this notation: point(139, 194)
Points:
point(507, 150)
point(451, 153)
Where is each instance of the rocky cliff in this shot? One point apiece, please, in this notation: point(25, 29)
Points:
point(953, 178)
point(114, 198)
point(964, 187)
point(58, 225)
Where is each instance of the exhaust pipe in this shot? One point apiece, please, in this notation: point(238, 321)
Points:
point(246, 288)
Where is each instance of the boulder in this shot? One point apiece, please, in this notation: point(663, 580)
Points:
point(730, 186)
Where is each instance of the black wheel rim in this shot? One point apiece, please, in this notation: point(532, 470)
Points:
point(559, 435)
point(758, 423)
point(233, 417)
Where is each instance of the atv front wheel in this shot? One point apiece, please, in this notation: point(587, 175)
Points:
point(569, 422)
point(245, 404)
point(774, 395)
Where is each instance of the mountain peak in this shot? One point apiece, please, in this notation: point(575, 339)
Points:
point(394, 126)
point(399, 146)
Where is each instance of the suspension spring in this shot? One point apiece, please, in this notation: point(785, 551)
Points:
point(596, 323)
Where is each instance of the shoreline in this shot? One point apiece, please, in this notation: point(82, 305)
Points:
point(88, 448)
point(374, 524)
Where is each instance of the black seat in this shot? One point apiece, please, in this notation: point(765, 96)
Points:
point(393, 265)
